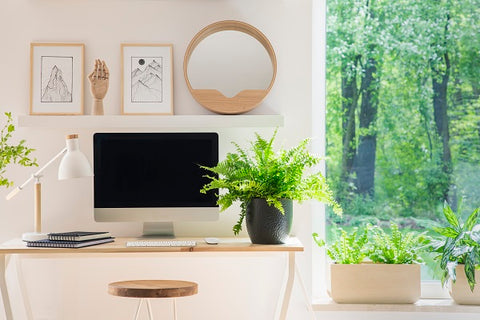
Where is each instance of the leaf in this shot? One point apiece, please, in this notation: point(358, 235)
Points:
point(470, 262)
point(446, 232)
point(437, 245)
point(447, 251)
point(318, 241)
point(451, 269)
point(475, 235)
point(461, 250)
point(471, 220)
point(450, 216)
point(238, 226)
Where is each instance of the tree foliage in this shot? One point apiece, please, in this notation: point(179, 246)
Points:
point(425, 103)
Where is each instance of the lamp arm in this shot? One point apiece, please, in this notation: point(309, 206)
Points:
point(39, 172)
point(36, 175)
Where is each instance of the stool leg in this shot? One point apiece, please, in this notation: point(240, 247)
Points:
point(138, 309)
point(174, 309)
point(150, 313)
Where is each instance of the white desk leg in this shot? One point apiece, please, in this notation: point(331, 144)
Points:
point(289, 285)
point(3, 287)
point(305, 294)
point(23, 288)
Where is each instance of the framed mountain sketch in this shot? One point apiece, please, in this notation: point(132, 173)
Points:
point(147, 78)
point(56, 78)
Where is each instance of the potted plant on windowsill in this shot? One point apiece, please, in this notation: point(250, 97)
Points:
point(459, 255)
point(12, 153)
point(265, 183)
point(373, 266)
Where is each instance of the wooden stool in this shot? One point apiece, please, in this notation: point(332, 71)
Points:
point(145, 289)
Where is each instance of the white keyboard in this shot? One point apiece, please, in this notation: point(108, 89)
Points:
point(162, 243)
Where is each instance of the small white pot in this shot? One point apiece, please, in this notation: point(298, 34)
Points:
point(460, 290)
point(375, 283)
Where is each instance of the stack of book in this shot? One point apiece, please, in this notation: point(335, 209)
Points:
point(74, 239)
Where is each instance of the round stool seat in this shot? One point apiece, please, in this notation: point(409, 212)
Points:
point(153, 288)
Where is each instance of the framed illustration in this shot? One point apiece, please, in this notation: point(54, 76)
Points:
point(56, 78)
point(147, 78)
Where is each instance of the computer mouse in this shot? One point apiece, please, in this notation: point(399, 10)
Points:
point(212, 240)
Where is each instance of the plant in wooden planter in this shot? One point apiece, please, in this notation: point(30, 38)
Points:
point(266, 182)
point(348, 248)
point(397, 247)
point(459, 255)
point(373, 266)
point(12, 153)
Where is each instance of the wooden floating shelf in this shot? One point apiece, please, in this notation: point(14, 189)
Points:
point(159, 122)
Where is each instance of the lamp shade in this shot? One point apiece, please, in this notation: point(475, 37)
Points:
point(74, 164)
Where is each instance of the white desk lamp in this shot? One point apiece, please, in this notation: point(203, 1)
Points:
point(74, 164)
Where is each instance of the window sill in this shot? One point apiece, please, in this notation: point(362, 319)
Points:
point(423, 305)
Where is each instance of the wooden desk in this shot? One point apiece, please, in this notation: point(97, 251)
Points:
point(232, 245)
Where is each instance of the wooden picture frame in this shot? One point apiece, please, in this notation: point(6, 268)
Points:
point(57, 78)
point(147, 79)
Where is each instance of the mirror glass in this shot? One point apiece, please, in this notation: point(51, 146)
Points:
point(230, 61)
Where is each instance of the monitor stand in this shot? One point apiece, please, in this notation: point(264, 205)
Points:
point(158, 229)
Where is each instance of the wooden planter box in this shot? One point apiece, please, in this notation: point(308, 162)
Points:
point(375, 283)
point(460, 290)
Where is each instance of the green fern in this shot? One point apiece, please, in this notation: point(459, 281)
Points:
point(260, 172)
point(374, 244)
point(396, 247)
point(348, 248)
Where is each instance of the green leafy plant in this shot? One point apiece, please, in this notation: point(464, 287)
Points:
point(11, 153)
point(376, 245)
point(348, 248)
point(397, 247)
point(260, 172)
point(460, 244)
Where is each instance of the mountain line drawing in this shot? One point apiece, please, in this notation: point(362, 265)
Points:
point(147, 84)
point(56, 89)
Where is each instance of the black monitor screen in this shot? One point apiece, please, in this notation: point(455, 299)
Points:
point(151, 170)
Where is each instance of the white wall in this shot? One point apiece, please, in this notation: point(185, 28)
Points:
point(230, 287)
point(62, 289)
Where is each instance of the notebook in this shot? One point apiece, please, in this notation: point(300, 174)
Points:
point(78, 236)
point(67, 244)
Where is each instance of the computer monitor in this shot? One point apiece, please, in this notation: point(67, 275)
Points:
point(154, 178)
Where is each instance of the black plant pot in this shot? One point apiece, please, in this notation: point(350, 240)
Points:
point(266, 224)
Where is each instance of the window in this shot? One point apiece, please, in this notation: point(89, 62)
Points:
point(403, 110)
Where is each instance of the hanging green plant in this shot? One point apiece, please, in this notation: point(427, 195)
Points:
point(12, 153)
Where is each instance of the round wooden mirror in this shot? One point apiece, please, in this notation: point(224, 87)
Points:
point(229, 67)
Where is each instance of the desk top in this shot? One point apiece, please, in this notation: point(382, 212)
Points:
point(17, 246)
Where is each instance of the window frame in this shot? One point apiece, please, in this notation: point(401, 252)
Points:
point(431, 289)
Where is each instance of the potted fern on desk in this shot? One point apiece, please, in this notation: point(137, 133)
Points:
point(370, 265)
point(266, 183)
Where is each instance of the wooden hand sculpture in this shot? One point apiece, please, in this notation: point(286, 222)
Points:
point(99, 85)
